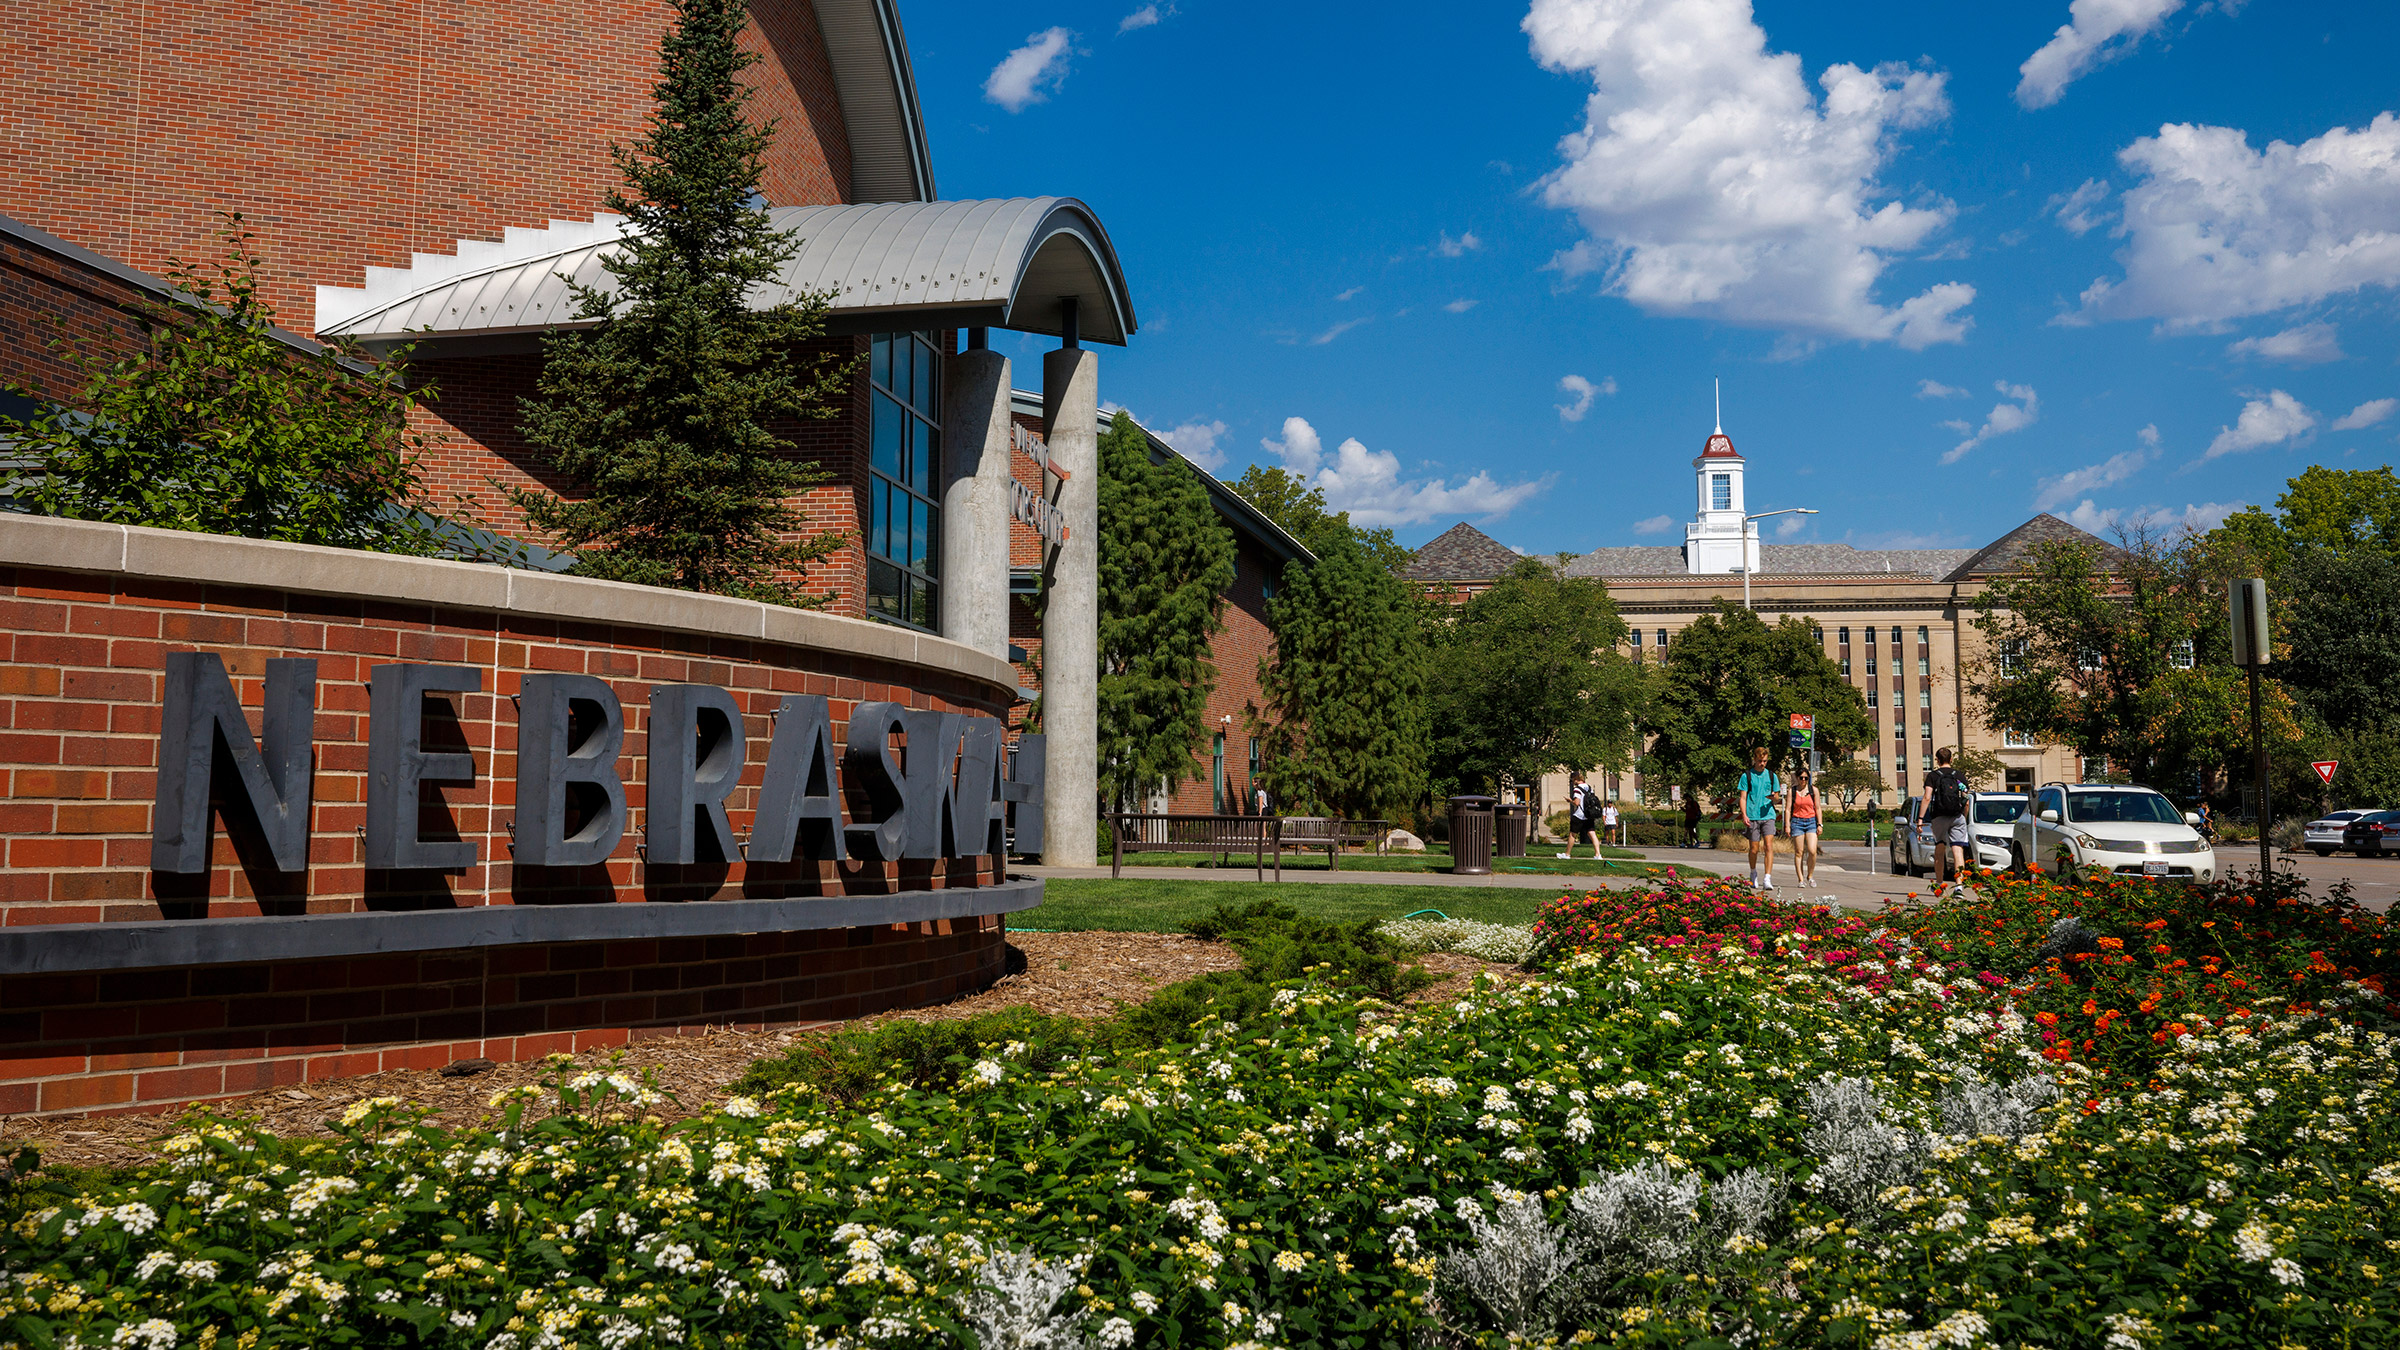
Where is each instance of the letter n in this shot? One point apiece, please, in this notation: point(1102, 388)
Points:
point(202, 717)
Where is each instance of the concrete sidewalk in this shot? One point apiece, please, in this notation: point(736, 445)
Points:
point(1835, 885)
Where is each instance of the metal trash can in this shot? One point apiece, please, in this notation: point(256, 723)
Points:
point(1471, 836)
point(1513, 822)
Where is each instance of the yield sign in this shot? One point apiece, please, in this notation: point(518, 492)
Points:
point(2325, 768)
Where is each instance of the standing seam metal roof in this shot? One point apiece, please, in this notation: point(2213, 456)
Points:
point(1019, 256)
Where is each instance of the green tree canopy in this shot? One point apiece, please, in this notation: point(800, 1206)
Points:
point(1286, 498)
point(2129, 662)
point(1165, 561)
point(1731, 682)
point(1344, 729)
point(1527, 678)
point(2340, 648)
point(666, 415)
point(216, 424)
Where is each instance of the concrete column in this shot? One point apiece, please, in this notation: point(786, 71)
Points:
point(975, 501)
point(1071, 624)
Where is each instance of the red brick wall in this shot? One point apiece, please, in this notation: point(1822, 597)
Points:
point(44, 297)
point(1239, 647)
point(353, 135)
point(149, 1039)
point(475, 449)
point(80, 684)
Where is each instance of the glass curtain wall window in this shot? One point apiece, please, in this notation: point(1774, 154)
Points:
point(904, 547)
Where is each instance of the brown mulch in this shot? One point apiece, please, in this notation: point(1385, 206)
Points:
point(1066, 974)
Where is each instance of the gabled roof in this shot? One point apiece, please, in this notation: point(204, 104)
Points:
point(1461, 553)
point(999, 263)
point(2013, 550)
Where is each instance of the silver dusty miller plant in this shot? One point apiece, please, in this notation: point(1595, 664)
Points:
point(1860, 1153)
point(1533, 1278)
point(1012, 1303)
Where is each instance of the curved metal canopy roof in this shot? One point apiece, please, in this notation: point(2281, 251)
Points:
point(1006, 263)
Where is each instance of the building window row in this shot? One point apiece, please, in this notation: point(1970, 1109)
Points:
point(904, 516)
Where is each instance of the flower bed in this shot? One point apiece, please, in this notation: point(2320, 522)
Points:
point(1781, 1128)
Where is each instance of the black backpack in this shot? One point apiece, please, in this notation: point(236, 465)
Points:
point(1949, 794)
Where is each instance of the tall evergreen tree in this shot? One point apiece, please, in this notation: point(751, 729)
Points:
point(1345, 730)
point(665, 415)
point(1165, 561)
point(1527, 678)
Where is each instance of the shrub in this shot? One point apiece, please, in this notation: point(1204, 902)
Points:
point(1711, 1121)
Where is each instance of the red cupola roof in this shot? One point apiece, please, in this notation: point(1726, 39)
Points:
point(1720, 446)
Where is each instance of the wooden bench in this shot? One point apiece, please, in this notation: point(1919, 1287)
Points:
point(1333, 834)
point(1142, 832)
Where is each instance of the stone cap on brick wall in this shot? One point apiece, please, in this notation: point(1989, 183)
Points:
point(224, 560)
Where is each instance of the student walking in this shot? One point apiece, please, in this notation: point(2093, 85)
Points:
point(1582, 810)
point(1762, 809)
point(1608, 825)
point(1946, 798)
point(1805, 824)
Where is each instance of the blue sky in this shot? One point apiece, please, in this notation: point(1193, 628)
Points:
point(2121, 259)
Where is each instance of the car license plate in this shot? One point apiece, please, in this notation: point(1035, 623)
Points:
point(2154, 869)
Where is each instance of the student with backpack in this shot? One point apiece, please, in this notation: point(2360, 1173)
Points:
point(1583, 812)
point(1946, 802)
point(1762, 808)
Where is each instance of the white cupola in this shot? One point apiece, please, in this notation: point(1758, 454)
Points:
point(1719, 540)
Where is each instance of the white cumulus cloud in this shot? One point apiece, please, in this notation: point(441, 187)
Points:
point(2216, 231)
point(2018, 409)
point(2074, 209)
point(1145, 17)
point(2277, 419)
point(1461, 305)
point(1457, 248)
point(2367, 414)
point(1338, 329)
point(1715, 183)
point(1937, 389)
point(1583, 391)
point(2307, 345)
point(1654, 525)
point(2096, 32)
point(1367, 483)
point(1197, 441)
point(2199, 518)
point(2074, 483)
point(1021, 77)
point(1351, 294)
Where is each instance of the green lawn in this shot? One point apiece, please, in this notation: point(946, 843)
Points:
point(1612, 863)
point(1132, 906)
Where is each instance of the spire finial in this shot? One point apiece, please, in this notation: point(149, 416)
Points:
point(1720, 407)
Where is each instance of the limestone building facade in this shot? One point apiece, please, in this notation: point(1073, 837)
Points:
point(1900, 622)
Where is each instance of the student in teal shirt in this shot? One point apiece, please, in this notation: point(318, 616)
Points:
point(1762, 804)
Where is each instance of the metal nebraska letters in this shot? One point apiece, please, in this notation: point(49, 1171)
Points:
point(947, 796)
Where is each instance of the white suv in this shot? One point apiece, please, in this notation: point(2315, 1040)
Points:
point(2114, 828)
point(1990, 814)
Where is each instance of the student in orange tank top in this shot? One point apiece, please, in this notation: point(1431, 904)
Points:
point(1806, 822)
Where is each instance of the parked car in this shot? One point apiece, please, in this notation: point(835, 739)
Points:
point(2324, 834)
point(2119, 828)
point(2373, 834)
point(1989, 813)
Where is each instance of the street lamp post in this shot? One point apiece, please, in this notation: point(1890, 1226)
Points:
point(1744, 569)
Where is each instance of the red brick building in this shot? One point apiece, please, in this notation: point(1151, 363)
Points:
point(424, 179)
point(429, 183)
